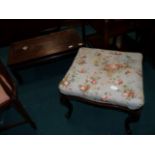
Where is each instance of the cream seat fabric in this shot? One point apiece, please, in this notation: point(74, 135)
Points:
point(106, 76)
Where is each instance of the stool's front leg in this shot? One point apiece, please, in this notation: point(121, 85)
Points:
point(133, 116)
point(65, 102)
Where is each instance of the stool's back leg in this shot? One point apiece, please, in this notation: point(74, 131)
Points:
point(65, 102)
point(132, 117)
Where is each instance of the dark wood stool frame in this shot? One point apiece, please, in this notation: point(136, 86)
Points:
point(13, 101)
point(133, 115)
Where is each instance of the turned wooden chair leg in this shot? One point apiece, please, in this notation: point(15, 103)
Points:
point(65, 102)
point(132, 117)
point(19, 107)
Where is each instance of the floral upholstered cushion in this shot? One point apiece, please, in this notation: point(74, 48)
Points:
point(106, 76)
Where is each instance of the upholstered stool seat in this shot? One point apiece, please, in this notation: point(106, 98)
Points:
point(106, 76)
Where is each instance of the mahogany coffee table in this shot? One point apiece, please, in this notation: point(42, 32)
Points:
point(42, 49)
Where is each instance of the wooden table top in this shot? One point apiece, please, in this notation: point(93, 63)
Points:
point(47, 45)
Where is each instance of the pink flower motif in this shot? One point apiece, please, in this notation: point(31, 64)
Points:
point(105, 98)
point(129, 94)
point(93, 80)
point(127, 72)
point(118, 53)
point(113, 66)
point(109, 67)
point(119, 82)
point(98, 54)
point(84, 88)
point(66, 83)
point(82, 70)
point(83, 57)
point(81, 61)
point(139, 73)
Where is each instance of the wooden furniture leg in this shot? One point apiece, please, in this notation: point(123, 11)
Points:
point(65, 102)
point(132, 117)
point(19, 107)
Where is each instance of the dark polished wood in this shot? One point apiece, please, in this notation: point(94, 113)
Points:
point(107, 32)
point(13, 30)
point(43, 46)
point(66, 102)
point(107, 29)
point(41, 49)
point(10, 89)
point(133, 115)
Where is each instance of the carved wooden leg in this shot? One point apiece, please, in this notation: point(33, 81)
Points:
point(19, 107)
point(132, 117)
point(65, 102)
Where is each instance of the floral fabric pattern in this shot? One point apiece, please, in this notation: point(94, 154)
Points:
point(106, 76)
